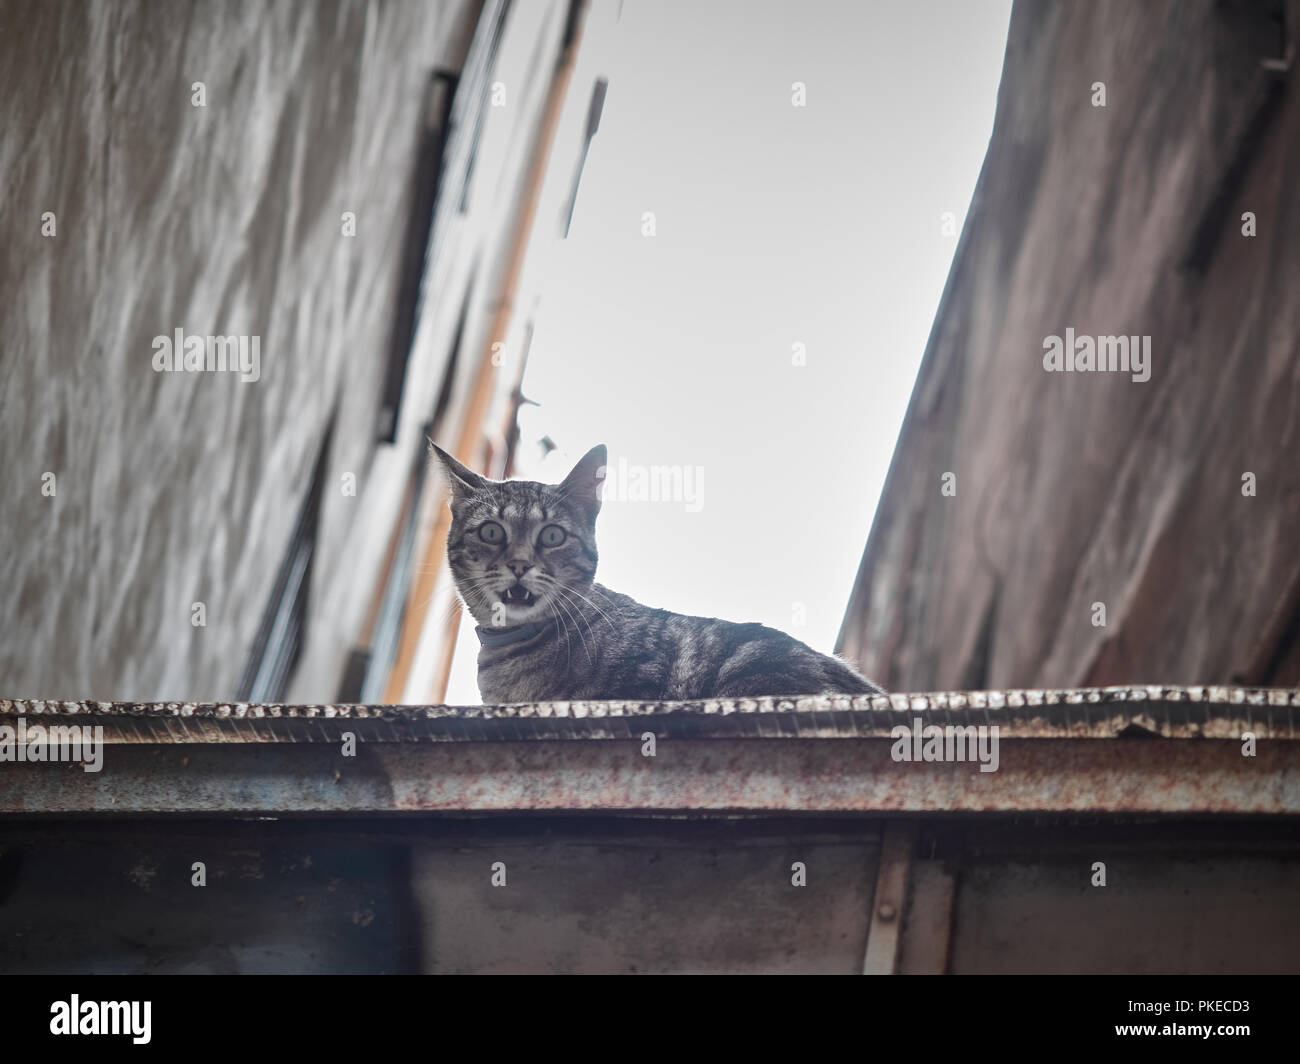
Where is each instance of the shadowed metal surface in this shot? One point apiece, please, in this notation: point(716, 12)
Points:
point(631, 894)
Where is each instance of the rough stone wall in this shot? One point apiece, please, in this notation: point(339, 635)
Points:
point(1074, 489)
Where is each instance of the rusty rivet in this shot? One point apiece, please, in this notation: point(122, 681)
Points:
point(886, 911)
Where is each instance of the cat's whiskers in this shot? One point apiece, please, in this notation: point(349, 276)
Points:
point(562, 595)
point(476, 587)
point(568, 649)
point(577, 625)
point(603, 614)
point(563, 591)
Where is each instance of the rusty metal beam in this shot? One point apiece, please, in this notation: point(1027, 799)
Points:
point(687, 776)
point(890, 899)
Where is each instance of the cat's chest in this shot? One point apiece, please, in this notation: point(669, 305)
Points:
point(524, 678)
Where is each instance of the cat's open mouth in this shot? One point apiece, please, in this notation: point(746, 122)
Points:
point(518, 596)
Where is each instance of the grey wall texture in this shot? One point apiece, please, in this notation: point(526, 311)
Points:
point(628, 895)
point(1074, 489)
point(172, 489)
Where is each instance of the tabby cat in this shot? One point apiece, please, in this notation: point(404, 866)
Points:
point(523, 556)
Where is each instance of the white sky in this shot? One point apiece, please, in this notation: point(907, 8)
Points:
point(775, 225)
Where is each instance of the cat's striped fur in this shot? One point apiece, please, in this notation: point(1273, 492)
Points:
point(550, 633)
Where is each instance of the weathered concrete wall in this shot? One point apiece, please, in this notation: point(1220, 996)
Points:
point(1082, 488)
point(175, 488)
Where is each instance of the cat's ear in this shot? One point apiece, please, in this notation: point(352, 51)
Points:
point(584, 485)
point(463, 481)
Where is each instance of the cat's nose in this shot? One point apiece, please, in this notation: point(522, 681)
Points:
point(519, 567)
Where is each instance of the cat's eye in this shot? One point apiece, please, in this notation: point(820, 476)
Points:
point(491, 532)
point(552, 536)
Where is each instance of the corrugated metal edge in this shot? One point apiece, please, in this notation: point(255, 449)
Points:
point(1212, 712)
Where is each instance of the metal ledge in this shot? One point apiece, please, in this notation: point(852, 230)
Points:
point(1205, 712)
point(1114, 750)
point(694, 777)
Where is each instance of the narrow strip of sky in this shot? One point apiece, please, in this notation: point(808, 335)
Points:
point(783, 234)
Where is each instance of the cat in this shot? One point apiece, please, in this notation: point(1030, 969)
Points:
point(523, 557)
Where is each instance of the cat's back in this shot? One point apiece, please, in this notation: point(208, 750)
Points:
point(689, 657)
